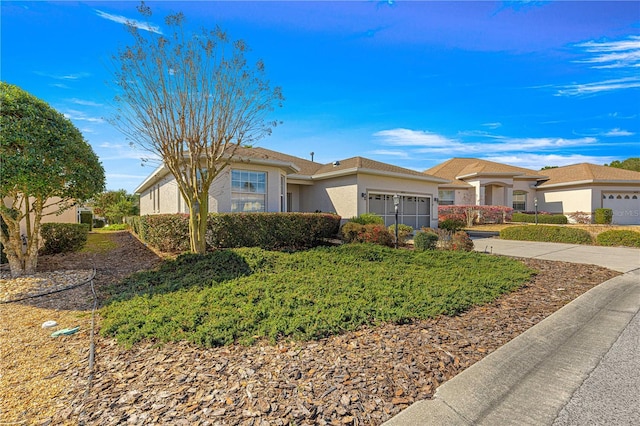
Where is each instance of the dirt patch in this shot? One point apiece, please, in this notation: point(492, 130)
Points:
point(363, 377)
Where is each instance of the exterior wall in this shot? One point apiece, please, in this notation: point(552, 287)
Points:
point(465, 196)
point(336, 195)
point(565, 201)
point(164, 197)
point(294, 190)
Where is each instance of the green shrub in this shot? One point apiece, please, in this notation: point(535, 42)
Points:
point(63, 237)
point(404, 232)
point(87, 218)
point(460, 241)
point(135, 225)
point(425, 241)
point(350, 231)
point(603, 216)
point(166, 232)
point(368, 219)
point(241, 295)
point(453, 225)
point(553, 234)
point(98, 223)
point(620, 237)
point(555, 219)
point(270, 230)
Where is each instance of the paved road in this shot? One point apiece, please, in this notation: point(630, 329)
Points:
point(580, 366)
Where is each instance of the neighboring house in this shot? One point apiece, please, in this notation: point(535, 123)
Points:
point(482, 182)
point(50, 213)
point(569, 189)
point(585, 187)
point(261, 180)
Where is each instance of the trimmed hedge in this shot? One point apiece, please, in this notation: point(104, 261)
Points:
point(556, 219)
point(603, 216)
point(170, 232)
point(619, 237)
point(551, 234)
point(63, 237)
point(270, 230)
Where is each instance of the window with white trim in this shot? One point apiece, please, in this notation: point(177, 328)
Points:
point(446, 197)
point(248, 191)
point(520, 200)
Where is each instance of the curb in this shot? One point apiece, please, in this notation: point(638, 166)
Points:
point(532, 377)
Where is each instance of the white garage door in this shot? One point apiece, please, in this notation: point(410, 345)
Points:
point(625, 206)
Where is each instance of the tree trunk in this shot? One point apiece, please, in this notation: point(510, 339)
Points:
point(198, 225)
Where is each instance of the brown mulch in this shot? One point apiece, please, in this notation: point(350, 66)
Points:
point(362, 377)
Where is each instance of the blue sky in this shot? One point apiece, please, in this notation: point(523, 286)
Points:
point(410, 83)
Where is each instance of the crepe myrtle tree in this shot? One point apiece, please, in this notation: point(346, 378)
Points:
point(190, 99)
point(45, 161)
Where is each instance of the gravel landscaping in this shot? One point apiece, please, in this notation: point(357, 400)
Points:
point(361, 377)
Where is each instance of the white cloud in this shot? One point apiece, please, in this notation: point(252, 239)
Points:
point(81, 116)
point(426, 142)
point(126, 21)
point(390, 153)
point(599, 86)
point(76, 76)
point(612, 54)
point(618, 132)
point(84, 102)
point(408, 137)
point(537, 161)
point(493, 125)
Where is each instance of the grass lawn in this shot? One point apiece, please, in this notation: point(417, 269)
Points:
point(98, 243)
point(246, 294)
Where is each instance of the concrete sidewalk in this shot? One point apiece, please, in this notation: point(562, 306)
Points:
point(560, 371)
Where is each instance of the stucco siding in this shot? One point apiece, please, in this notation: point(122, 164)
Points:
point(566, 201)
point(335, 195)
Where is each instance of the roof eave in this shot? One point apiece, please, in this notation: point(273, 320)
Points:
point(151, 179)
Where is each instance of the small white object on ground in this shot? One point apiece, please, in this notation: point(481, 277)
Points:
point(49, 324)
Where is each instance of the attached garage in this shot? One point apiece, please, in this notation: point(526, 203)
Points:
point(414, 211)
point(625, 206)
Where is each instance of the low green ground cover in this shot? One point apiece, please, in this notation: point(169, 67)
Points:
point(240, 295)
point(625, 238)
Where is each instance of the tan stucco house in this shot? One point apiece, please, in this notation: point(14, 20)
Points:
point(569, 189)
point(261, 180)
